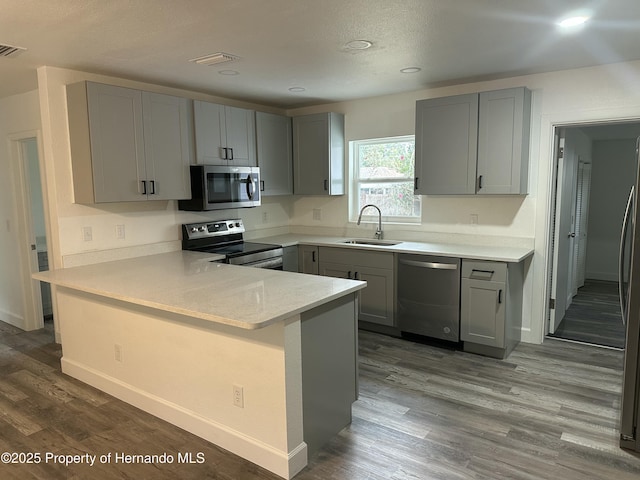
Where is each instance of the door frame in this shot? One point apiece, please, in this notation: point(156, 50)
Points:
point(554, 128)
point(32, 297)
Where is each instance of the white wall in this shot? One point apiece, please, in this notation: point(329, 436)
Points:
point(613, 173)
point(19, 113)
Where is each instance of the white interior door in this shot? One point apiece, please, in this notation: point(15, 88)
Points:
point(564, 233)
point(31, 226)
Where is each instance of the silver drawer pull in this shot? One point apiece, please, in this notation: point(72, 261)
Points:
point(434, 265)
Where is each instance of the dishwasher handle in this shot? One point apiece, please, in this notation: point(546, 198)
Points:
point(432, 265)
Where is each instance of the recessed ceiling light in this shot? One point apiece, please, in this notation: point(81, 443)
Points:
point(358, 44)
point(411, 70)
point(228, 72)
point(574, 21)
point(297, 89)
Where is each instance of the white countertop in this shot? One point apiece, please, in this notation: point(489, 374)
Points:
point(188, 283)
point(468, 251)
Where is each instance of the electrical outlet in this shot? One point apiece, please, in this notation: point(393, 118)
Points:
point(117, 353)
point(265, 217)
point(474, 218)
point(238, 396)
point(317, 214)
point(120, 232)
point(87, 234)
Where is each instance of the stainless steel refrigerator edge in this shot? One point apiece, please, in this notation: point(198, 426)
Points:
point(630, 305)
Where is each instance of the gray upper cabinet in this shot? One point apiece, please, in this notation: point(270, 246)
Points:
point(128, 145)
point(167, 145)
point(503, 141)
point(224, 135)
point(318, 154)
point(475, 143)
point(446, 145)
point(274, 147)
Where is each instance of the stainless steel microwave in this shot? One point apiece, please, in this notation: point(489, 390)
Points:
point(216, 187)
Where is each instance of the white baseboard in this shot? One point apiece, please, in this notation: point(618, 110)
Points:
point(285, 464)
point(11, 319)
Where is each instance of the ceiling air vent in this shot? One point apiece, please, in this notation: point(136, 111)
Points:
point(10, 51)
point(214, 59)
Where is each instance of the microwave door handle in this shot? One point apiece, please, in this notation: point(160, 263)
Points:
point(251, 187)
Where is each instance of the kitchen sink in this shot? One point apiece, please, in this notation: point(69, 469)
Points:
point(364, 241)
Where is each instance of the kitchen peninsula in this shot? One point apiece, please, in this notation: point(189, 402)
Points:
point(260, 362)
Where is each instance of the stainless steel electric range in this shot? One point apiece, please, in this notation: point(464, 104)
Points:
point(225, 237)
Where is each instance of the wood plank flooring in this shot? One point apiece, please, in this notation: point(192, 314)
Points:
point(594, 316)
point(547, 412)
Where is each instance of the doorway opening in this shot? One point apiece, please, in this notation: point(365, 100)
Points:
point(595, 168)
point(30, 248)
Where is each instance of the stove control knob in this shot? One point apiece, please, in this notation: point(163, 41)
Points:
point(203, 229)
point(238, 224)
point(194, 230)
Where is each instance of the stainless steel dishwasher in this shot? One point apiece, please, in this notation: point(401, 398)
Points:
point(428, 295)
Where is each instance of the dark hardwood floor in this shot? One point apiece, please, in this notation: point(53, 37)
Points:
point(594, 316)
point(547, 412)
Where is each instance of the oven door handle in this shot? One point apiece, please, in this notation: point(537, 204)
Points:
point(251, 187)
point(271, 263)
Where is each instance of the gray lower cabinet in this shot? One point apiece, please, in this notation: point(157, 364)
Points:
point(128, 145)
point(318, 154)
point(290, 258)
point(224, 135)
point(376, 301)
point(491, 307)
point(308, 259)
point(274, 151)
point(473, 144)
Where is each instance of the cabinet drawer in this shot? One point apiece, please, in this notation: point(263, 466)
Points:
point(352, 256)
point(489, 271)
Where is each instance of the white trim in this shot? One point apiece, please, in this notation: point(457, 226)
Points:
point(11, 318)
point(549, 123)
point(32, 299)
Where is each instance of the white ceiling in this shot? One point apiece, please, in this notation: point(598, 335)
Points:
point(301, 43)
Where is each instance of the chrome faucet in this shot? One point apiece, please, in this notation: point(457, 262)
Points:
point(379, 230)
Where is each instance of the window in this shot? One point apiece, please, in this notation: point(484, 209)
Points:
point(383, 175)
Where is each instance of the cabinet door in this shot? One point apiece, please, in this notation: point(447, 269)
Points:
point(446, 145)
point(337, 270)
point(274, 152)
point(290, 259)
point(166, 142)
point(503, 141)
point(308, 259)
point(482, 312)
point(117, 143)
point(210, 133)
point(240, 127)
point(311, 154)
point(376, 299)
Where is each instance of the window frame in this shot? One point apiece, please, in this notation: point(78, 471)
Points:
point(370, 215)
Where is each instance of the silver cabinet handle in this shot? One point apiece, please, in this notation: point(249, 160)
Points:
point(433, 265)
point(623, 244)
